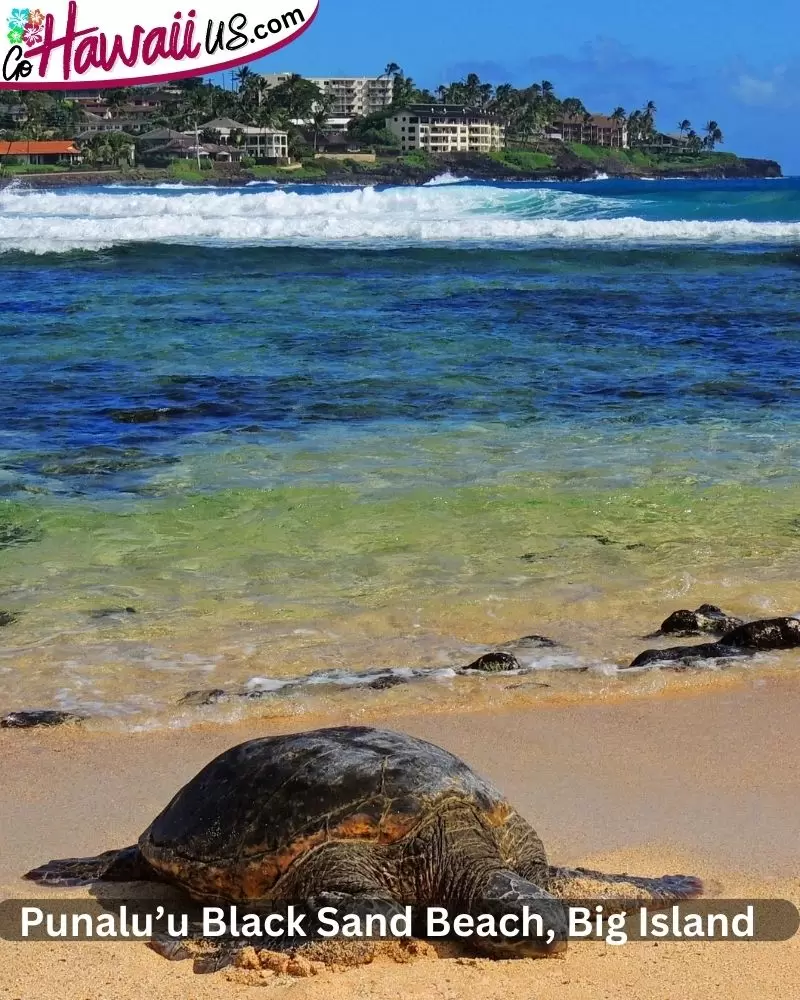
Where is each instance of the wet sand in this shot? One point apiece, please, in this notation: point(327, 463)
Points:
point(706, 784)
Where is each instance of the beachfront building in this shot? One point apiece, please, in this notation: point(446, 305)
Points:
point(591, 130)
point(446, 128)
point(349, 95)
point(94, 124)
point(260, 143)
point(36, 152)
point(666, 142)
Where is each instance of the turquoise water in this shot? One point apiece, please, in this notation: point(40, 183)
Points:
point(317, 428)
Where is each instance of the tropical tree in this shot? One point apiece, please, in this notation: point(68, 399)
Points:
point(319, 117)
point(683, 126)
point(573, 107)
point(111, 148)
point(713, 134)
point(403, 91)
point(243, 75)
point(695, 143)
point(295, 99)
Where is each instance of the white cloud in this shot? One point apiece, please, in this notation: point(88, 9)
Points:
point(751, 90)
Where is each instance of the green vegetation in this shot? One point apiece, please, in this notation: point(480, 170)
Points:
point(186, 170)
point(530, 114)
point(603, 156)
point(524, 160)
point(13, 169)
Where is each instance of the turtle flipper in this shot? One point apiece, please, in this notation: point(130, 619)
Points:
point(581, 883)
point(126, 865)
point(206, 955)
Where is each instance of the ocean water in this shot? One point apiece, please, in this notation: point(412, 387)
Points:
point(307, 434)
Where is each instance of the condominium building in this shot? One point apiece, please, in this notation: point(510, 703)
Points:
point(592, 130)
point(447, 128)
point(349, 95)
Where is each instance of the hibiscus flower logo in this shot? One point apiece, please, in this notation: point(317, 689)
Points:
point(33, 34)
point(16, 24)
point(25, 25)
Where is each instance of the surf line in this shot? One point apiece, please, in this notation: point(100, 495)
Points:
point(175, 42)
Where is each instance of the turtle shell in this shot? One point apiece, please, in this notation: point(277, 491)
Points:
point(237, 826)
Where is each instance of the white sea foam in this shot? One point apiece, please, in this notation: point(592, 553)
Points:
point(447, 178)
point(460, 214)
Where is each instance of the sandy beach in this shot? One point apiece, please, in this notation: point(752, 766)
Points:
point(704, 784)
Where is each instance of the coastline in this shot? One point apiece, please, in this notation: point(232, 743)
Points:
point(705, 784)
point(568, 168)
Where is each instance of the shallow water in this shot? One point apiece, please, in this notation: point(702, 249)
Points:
point(327, 429)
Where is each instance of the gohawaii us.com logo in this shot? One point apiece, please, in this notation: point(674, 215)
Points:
point(88, 43)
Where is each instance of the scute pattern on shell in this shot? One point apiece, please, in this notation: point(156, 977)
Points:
point(258, 808)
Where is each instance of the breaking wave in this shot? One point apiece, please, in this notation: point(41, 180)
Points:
point(445, 214)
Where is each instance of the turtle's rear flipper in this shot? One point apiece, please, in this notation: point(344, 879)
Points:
point(581, 883)
point(126, 865)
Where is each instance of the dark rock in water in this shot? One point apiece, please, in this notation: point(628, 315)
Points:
point(685, 656)
point(104, 461)
point(531, 642)
point(763, 635)
point(35, 717)
point(18, 534)
point(146, 414)
point(210, 696)
point(745, 640)
point(386, 681)
point(497, 662)
point(107, 612)
point(7, 618)
point(706, 619)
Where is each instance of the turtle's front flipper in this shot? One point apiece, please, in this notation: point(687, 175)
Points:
point(126, 865)
point(207, 955)
point(581, 883)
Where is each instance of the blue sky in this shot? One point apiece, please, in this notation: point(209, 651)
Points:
point(733, 60)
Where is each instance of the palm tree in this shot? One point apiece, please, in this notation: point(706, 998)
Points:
point(713, 134)
point(648, 119)
point(635, 127)
point(618, 115)
point(242, 76)
point(684, 126)
point(392, 69)
point(319, 117)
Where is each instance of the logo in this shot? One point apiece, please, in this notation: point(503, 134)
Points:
point(87, 43)
point(25, 25)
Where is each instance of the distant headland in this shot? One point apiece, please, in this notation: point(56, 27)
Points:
point(359, 130)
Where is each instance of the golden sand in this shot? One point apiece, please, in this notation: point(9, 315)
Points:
point(705, 784)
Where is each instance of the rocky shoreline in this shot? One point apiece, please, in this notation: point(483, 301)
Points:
point(736, 639)
point(568, 167)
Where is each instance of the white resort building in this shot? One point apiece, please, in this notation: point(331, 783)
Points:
point(350, 95)
point(261, 143)
point(447, 128)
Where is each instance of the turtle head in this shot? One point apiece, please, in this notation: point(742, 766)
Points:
point(529, 922)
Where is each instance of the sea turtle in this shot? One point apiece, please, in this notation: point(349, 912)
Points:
point(356, 817)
